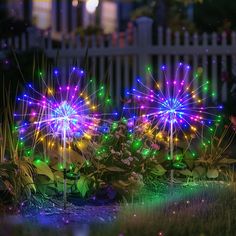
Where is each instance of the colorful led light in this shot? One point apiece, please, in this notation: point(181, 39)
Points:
point(175, 108)
point(65, 114)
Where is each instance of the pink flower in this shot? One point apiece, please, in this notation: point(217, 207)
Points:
point(155, 146)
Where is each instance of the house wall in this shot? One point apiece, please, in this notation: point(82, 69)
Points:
point(65, 16)
point(41, 16)
point(15, 9)
point(109, 16)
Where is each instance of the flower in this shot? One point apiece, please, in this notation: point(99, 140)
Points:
point(155, 146)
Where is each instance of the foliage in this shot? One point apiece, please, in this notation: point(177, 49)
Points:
point(18, 68)
point(168, 13)
point(83, 185)
point(17, 172)
point(17, 180)
point(220, 15)
point(186, 2)
point(127, 161)
point(89, 30)
point(11, 26)
point(123, 160)
point(118, 158)
point(212, 160)
point(213, 153)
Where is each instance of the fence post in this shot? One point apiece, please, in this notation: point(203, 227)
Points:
point(144, 42)
point(33, 37)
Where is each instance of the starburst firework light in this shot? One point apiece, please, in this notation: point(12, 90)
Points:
point(176, 108)
point(65, 114)
point(68, 116)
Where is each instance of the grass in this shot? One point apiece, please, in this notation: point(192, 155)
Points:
point(191, 210)
point(200, 211)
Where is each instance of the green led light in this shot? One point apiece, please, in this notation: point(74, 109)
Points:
point(124, 120)
point(61, 167)
point(40, 73)
point(149, 69)
point(114, 126)
point(145, 152)
point(130, 136)
point(28, 153)
point(101, 92)
point(154, 153)
point(136, 145)
point(108, 101)
point(178, 158)
point(92, 79)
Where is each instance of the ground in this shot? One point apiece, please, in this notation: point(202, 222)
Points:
point(199, 209)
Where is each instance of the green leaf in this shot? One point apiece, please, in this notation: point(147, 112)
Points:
point(179, 165)
point(43, 169)
point(114, 169)
point(28, 184)
point(59, 178)
point(212, 173)
point(83, 185)
point(121, 185)
point(199, 171)
point(186, 172)
point(26, 171)
point(71, 156)
point(159, 170)
point(227, 161)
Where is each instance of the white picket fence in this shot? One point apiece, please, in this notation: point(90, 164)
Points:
point(119, 58)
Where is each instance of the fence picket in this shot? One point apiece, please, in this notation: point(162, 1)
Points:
point(159, 57)
point(176, 57)
point(205, 63)
point(134, 71)
point(186, 56)
point(195, 62)
point(214, 69)
point(118, 80)
point(168, 62)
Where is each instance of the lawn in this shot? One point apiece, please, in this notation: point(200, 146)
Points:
point(196, 209)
